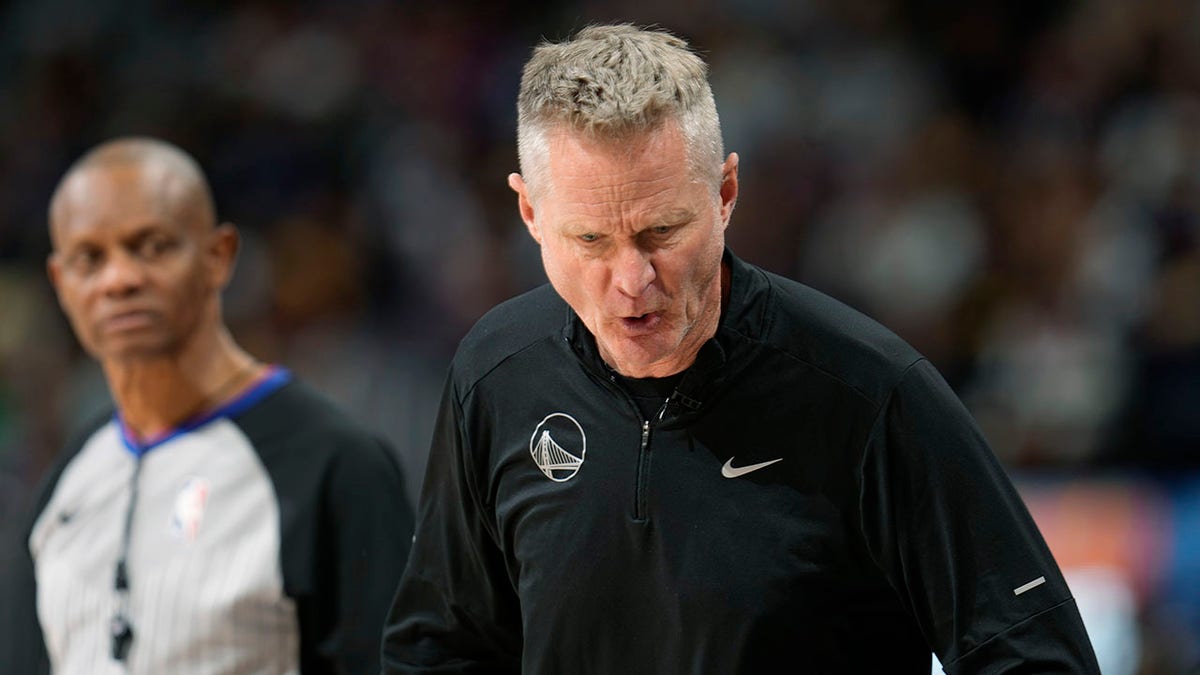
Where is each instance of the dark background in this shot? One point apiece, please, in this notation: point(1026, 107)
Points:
point(1011, 186)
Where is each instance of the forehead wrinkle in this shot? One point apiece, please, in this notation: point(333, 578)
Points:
point(615, 180)
point(624, 185)
point(666, 205)
point(611, 200)
point(635, 221)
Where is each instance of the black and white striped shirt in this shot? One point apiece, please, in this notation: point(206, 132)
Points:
point(266, 537)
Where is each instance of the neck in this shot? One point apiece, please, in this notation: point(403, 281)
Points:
point(156, 394)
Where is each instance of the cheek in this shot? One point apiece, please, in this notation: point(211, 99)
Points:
point(74, 303)
point(551, 264)
point(80, 315)
point(576, 279)
point(693, 273)
point(188, 292)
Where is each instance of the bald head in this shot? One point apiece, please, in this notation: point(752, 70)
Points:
point(138, 260)
point(164, 173)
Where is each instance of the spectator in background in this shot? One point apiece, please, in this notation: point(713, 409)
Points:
point(225, 518)
point(670, 460)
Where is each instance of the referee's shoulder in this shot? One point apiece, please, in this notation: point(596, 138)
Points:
point(303, 420)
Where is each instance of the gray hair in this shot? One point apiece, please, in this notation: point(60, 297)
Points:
point(616, 82)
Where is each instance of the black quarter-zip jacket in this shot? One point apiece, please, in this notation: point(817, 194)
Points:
point(811, 497)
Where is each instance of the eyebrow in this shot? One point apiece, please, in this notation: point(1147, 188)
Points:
point(676, 216)
point(671, 217)
point(147, 228)
point(139, 232)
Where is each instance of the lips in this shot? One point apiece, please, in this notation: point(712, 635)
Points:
point(641, 325)
point(130, 320)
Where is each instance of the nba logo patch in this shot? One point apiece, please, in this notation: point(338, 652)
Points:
point(188, 512)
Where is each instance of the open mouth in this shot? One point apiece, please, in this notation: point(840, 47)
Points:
point(641, 324)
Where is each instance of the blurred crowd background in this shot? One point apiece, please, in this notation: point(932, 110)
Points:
point(1014, 187)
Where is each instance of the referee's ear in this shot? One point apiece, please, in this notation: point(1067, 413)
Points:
point(54, 269)
point(220, 254)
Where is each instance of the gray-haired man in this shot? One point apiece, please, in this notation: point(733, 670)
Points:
point(668, 460)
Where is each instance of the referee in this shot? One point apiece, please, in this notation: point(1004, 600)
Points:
point(224, 518)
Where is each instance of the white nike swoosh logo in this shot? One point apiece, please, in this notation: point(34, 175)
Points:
point(730, 471)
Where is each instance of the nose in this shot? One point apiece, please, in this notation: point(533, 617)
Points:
point(633, 271)
point(122, 275)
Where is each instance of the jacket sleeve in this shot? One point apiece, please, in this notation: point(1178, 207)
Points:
point(367, 526)
point(22, 646)
point(373, 530)
point(945, 524)
point(456, 610)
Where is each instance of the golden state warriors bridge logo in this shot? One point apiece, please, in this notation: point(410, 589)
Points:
point(558, 446)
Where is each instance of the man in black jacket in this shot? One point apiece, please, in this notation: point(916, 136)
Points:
point(671, 461)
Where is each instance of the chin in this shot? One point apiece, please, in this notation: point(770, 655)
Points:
point(636, 362)
point(134, 350)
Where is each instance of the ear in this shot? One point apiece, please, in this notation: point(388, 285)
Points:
point(221, 254)
point(729, 187)
point(54, 269)
point(525, 205)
